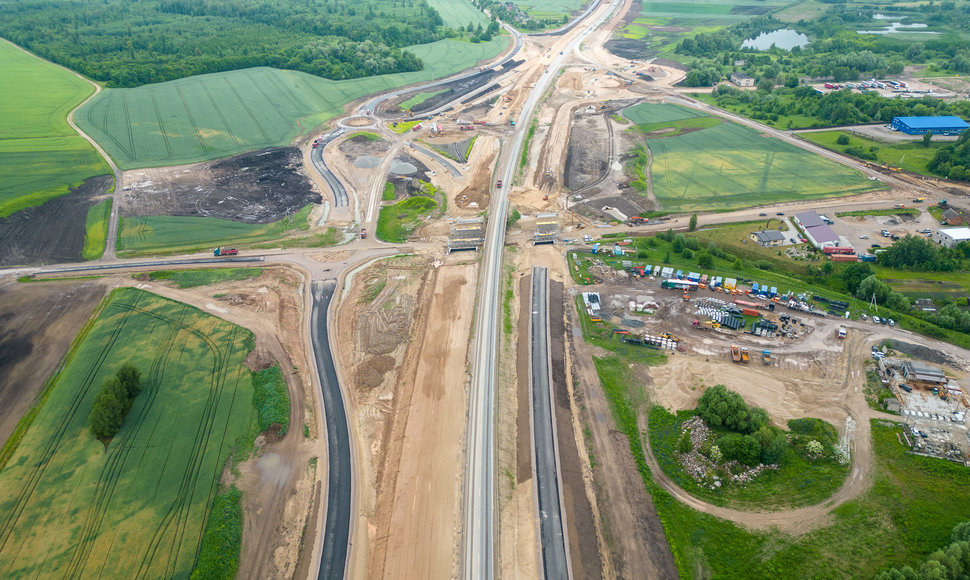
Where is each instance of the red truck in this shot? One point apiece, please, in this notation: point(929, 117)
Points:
point(363, 234)
point(498, 185)
point(225, 252)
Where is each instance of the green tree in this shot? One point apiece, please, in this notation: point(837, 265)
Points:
point(692, 225)
point(106, 416)
point(705, 260)
point(926, 138)
point(130, 378)
point(842, 140)
point(742, 448)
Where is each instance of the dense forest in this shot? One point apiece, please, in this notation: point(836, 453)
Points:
point(836, 51)
point(125, 43)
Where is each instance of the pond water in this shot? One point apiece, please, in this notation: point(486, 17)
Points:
point(784, 38)
point(897, 27)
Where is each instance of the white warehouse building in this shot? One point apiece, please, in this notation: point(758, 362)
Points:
point(950, 237)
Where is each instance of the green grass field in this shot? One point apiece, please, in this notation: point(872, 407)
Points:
point(204, 276)
point(907, 513)
point(730, 166)
point(96, 230)
point(649, 113)
point(40, 155)
point(418, 99)
point(549, 8)
point(72, 507)
point(910, 156)
point(396, 222)
point(457, 13)
point(217, 115)
point(172, 234)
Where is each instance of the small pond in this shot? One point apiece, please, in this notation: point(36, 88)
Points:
point(784, 38)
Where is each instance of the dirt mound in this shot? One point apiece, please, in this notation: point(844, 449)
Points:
point(53, 232)
point(371, 372)
point(924, 353)
point(383, 331)
point(586, 159)
point(629, 48)
point(360, 145)
point(258, 187)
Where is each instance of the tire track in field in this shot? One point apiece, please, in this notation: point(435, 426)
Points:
point(161, 125)
point(104, 126)
point(194, 464)
point(225, 123)
point(266, 139)
point(114, 467)
point(131, 136)
point(53, 443)
point(274, 104)
point(195, 127)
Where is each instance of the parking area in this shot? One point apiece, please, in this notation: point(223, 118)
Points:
point(864, 231)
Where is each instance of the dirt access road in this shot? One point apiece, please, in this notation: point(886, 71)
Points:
point(419, 516)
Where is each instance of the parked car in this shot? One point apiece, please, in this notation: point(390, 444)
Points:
point(780, 213)
point(876, 319)
point(864, 317)
point(864, 237)
point(762, 214)
point(892, 322)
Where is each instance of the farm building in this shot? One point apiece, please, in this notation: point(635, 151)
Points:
point(768, 238)
point(742, 80)
point(808, 219)
point(950, 237)
point(819, 234)
point(918, 372)
point(945, 124)
point(952, 217)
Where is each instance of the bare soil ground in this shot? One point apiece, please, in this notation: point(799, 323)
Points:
point(257, 187)
point(53, 232)
point(38, 323)
point(409, 397)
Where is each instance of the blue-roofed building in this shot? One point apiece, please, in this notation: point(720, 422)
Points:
point(943, 125)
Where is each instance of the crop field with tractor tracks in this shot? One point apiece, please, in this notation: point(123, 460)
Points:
point(729, 166)
point(41, 156)
point(216, 115)
point(139, 503)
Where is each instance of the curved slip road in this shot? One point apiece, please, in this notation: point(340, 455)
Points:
point(336, 531)
point(552, 537)
point(340, 198)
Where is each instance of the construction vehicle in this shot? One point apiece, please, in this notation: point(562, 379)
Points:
point(580, 226)
point(363, 233)
point(766, 356)
point(735, 353)
point(918, 199)
point(744, 355)
point(686, 295)
point(842, 332)
point(225, 252)
point(498, 184)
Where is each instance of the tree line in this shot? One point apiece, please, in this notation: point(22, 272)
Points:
point(113, 402)
point(126, 44)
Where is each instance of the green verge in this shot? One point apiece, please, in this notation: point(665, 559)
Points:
point(910, 156)
point(271, 399)
point(204, 277)
point(528, 141)
point(913, 212)
point(908, 512)
point(41, 156)
point(369, 135)
point(96, 230)
point(222, 540)
point(798, 481)
point(388, 194)
point(170, 234)
point(404, 126)
point(396, 222)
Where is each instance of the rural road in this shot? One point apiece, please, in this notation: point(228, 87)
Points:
point(552, 539)
point(480, 514)
point(339, 504)
point(316, 155)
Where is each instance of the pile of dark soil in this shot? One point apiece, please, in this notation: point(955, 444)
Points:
point(588, 151)
point(53, 232)
point(629, 48)
point(258, 187)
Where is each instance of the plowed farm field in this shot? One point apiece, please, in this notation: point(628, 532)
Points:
point(71, 506)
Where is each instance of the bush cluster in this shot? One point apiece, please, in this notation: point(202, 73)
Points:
point(950, 562)
point(112, 404)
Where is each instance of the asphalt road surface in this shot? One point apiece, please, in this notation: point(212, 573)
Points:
point(316, 155)
point(336, 530)
point(555, 559)
point(479, 525)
